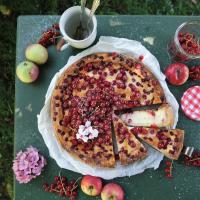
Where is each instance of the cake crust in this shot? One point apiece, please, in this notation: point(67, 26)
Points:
point(120, 80)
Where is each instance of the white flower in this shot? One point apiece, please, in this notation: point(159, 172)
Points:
point(89, 130)
point(83, 130)
point(82, 137)
point(93, 134)
point(86, 132)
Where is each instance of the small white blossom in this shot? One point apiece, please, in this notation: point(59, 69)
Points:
point(82, 137)
point(93, 134)
point(82, 130)
point(86, 132)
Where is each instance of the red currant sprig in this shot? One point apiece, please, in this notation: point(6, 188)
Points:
point(194, 160)
point(62, 187)
point(168, 169)
point(49, 36)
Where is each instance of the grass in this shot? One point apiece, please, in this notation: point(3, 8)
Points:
point(9, 10)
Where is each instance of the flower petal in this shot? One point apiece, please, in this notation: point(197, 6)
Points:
point(85, 138)
point(89, 130)
point(81, 128)
point(87, 123)
point(95, 132)
point(91, 136)
point(78, 136)
point(85, 132)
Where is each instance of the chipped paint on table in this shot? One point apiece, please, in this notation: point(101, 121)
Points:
point(29, 107)
point(149, 40)
point(18, 113)
point(115, 21)
point(152, 31)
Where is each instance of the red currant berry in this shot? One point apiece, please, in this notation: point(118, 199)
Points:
point(72, 182)
point(56, 178)
point(167, 170)
point(168, 163)
point(168, 175)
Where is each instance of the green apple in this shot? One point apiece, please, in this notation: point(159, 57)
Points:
point(27, 71)
point(36, 53)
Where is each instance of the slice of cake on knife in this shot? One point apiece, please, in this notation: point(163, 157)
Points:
point(168, 142)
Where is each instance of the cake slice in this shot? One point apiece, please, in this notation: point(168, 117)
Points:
point(168, 142)
point(161, 117)
point(129, 147)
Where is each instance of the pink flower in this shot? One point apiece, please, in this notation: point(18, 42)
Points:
point(28, 164)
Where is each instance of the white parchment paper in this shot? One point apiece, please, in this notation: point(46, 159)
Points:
point(61, 156)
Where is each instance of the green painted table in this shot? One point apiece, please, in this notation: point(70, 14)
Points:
point(151, 185)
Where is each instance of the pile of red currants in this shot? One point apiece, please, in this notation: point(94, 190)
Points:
point(62, 187)
point(49, 37)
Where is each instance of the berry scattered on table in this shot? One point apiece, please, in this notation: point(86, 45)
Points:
point(168, 169)
point(62, 187)
point(194, 160)
point(194, 73)
point(49, 37)
point(168, 163)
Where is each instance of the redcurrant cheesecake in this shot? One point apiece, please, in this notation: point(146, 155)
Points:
point(85, 97)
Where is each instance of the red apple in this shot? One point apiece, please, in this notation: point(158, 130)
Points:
point(112, 191)
point(91, 185)
point(177, 73)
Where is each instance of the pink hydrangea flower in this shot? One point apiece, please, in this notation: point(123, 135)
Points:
point(28, 165)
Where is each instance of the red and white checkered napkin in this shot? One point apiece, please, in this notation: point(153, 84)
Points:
point(190, 103)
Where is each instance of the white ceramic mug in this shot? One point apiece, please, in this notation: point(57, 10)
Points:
point(68, 23)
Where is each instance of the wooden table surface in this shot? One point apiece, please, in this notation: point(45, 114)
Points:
point(29, 99)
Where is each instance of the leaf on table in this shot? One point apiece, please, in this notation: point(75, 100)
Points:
point(5, 10)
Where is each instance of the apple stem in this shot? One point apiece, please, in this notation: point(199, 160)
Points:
point(90, 189)
point(111, 197)
point(178, 73)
